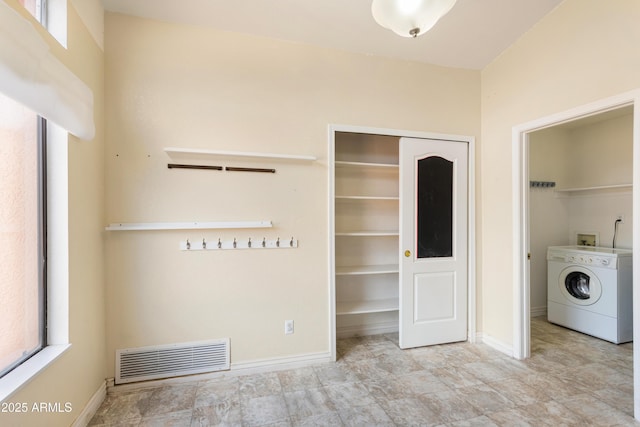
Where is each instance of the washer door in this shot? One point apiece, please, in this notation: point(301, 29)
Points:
point(579, 285)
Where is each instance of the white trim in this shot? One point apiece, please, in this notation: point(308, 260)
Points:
point(332, 232)
point(23, 374)
point(496, 344)
point(57, 235)
point(91, 407)
point(521, 328)
point(471, 194)
point(281, 363)
point(471, 240)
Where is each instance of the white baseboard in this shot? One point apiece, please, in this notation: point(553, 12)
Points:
point(91, 407)
point(538, 311)
point(496, 344)
point(281, 363)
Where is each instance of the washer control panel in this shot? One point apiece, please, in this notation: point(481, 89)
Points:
point(594, 260)
point(596, 257)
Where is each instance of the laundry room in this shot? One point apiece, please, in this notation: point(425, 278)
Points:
point(580, 190)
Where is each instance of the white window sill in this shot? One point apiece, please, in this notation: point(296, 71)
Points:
point(24, 373)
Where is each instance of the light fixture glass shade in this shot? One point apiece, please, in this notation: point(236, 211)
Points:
point(410, 18)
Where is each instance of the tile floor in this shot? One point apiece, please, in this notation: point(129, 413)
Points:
point(570, 380)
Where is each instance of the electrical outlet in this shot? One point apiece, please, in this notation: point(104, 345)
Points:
point(288, 327)
point(620, 218)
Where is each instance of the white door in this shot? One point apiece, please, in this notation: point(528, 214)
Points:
point(433, 241)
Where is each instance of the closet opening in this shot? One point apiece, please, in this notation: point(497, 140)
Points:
point(368, 235)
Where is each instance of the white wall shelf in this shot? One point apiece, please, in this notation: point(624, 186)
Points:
point(143, 226)
point(343, 164)
point(380, 198)
point(361, 270)
point(367, 233)
point(602, 189)
point(364, 307)
point(236, 155)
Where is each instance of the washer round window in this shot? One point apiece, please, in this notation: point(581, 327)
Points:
point(577, 284)
point(580, 285)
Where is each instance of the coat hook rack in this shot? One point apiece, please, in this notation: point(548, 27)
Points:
point(542, 184)
point(236, 243)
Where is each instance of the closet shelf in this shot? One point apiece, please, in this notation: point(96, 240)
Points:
point(367, 233)
point(361, 270)
point(597, 189)
point(364, 307)
point(142, 226)
point(381, 198)
point(343, 164)
point(220, 154)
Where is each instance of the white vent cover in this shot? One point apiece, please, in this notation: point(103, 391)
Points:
point(150, 363)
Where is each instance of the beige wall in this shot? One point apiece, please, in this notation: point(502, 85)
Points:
point(180, 86)
point(79, 372)
point(585, 50)
point(92, 15)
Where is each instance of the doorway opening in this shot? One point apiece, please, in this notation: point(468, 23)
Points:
point(523, 136)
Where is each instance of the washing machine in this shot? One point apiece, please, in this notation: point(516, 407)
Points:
point(589, 289)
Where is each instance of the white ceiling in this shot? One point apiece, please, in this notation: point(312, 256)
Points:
point(472, 35)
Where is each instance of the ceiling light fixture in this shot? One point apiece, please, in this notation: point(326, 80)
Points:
point(410, 18)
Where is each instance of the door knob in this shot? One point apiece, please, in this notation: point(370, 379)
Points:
point(407, 253)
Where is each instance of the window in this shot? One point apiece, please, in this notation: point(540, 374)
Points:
point(52, 14)
point(23, 287)
point(22, 234)
point(37, 8)
point(34, 244)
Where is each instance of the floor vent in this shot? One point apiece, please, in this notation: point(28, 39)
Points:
point(166, 361)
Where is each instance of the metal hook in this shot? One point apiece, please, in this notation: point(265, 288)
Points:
point(264, 242)
point(278, 242)
point(204, 243)
point(291, 242)
point(219, 244)
point(235, 244)
point(188, 244)
point(249, 242)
